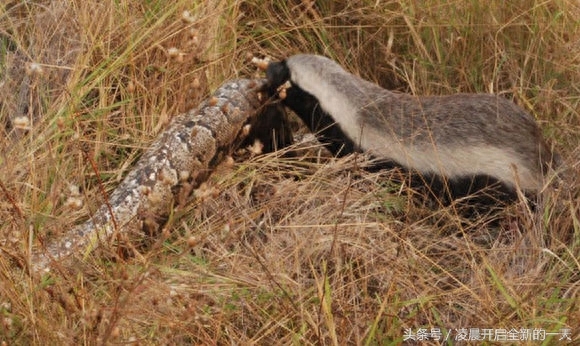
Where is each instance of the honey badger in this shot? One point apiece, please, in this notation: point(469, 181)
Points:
point(459, 143)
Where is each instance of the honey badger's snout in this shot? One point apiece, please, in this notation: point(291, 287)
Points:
point(461, 139)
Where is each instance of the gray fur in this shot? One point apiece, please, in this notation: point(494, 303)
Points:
point(453, 136)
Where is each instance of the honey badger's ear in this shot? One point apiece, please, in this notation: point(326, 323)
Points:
point(277, 73)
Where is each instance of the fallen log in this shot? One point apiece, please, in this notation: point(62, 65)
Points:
point(177, 162)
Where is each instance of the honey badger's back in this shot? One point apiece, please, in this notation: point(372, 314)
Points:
point(457, 137)
point(474, 134)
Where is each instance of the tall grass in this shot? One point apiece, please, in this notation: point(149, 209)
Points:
point(305, 250)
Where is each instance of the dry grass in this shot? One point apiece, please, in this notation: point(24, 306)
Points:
point(288, 251)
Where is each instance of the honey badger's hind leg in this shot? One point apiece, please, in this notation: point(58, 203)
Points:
point(477, 198)
point(471, 196)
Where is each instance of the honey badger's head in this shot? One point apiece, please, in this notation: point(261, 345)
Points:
point(277, 73)
point(280, 84)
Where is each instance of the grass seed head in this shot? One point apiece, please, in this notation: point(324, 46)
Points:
point(261, 64)
point(34, 69)
point(187, 17)
point(21, 122)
